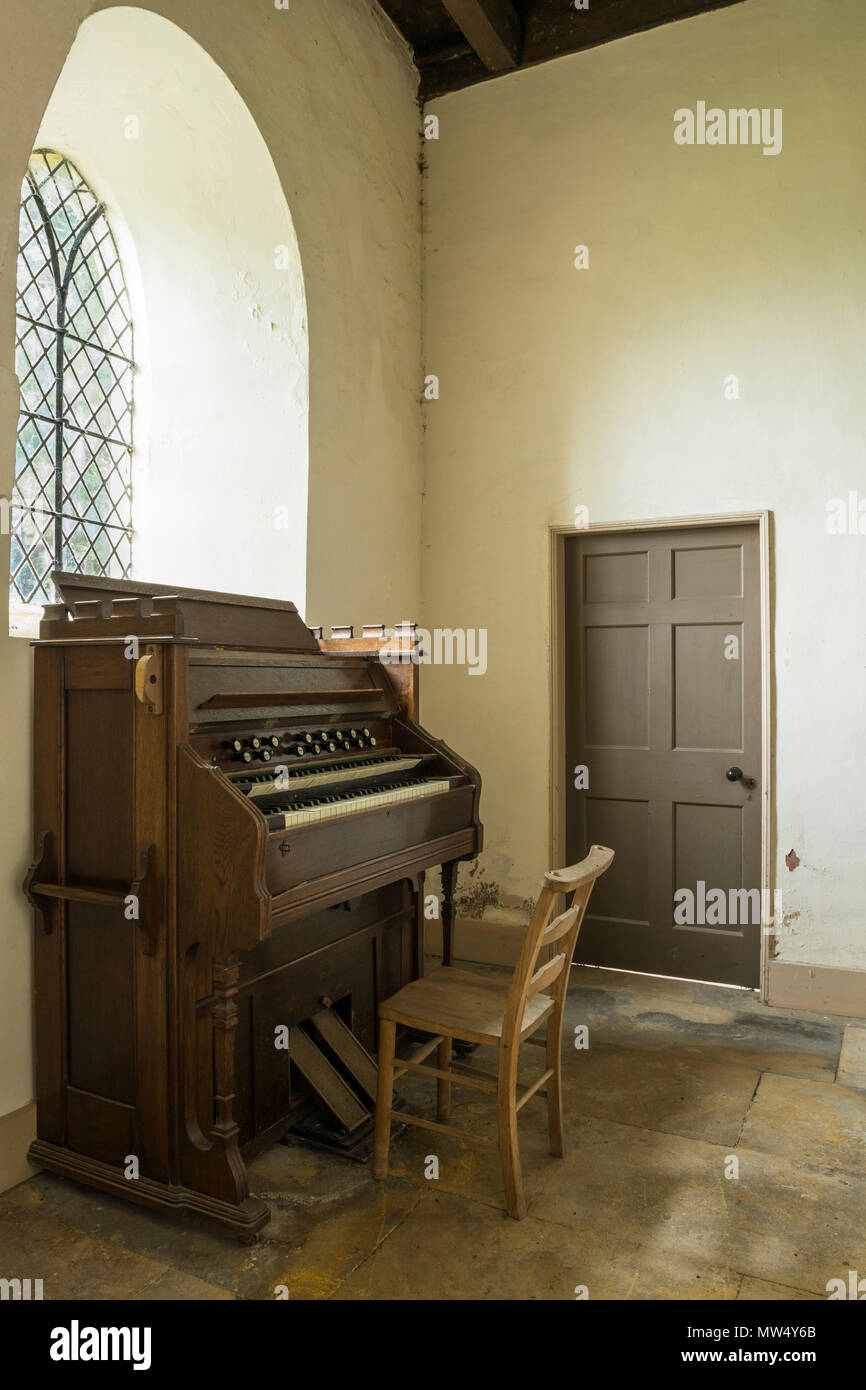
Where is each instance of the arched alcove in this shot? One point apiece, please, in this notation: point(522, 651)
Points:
point(214, 273)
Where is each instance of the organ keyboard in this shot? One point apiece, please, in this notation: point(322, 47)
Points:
point(264, 784)
point(313, 810)
point(233, 823)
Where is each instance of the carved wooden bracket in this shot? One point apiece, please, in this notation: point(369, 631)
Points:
point(148, 679)
point(140, 888)
point(43, 849)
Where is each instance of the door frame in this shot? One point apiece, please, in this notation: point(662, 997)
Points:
point(558, 780)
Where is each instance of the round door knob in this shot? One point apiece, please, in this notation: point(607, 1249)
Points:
point(734, 774)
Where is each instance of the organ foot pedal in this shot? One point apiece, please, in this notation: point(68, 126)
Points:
point(343, 1078)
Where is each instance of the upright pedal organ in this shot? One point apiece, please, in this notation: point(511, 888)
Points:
point(233, 820)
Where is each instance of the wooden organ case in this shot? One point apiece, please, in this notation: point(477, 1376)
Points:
point(232, 825)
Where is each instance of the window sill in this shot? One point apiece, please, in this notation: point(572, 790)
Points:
point(24, 620)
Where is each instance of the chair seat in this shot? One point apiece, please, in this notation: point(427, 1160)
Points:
point(460, 1004)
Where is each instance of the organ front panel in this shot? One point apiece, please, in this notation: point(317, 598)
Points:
point(233, 820)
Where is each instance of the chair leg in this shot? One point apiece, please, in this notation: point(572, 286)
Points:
point(553, 1058)
point(443, 1088)
point(384, 1097)
point(509, 1148)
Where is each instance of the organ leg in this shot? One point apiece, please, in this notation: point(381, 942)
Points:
point(225, 1021)
point(449, 881)
point(449, 878)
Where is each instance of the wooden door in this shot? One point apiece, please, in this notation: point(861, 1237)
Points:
point(663, 709)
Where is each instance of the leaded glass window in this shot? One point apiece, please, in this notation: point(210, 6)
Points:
point(72, 502)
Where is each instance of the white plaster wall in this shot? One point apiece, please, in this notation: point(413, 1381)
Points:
point(332, 93)
point(605, 387)
point(216, 283)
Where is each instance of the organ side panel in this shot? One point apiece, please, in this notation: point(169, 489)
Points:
point(100, 892)
point(49, 709)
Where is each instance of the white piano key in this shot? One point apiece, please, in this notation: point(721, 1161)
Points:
point(292, 820)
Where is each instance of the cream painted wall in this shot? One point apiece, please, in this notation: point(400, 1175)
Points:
point(332, 93)
point(605, 387)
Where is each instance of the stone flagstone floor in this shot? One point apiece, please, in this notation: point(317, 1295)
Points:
point(681, 1084)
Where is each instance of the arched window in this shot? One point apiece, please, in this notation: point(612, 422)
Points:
point(72, 501)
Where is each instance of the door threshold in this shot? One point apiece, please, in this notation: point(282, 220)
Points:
point(680, 979)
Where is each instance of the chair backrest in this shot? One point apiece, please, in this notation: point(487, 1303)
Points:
point(529, 977)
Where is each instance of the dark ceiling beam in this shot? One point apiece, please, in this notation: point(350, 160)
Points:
point(442, 51)
point(492, 28)
point(553, 28)
point(531, 32)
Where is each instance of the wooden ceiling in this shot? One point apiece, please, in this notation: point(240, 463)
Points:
point(459, 42)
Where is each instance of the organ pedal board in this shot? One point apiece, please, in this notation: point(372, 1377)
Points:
point(345, 1087)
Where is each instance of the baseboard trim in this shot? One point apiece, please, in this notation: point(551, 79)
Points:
point(487, 943)
point(851, 1071)
point(820, 989)
point(17, 1132)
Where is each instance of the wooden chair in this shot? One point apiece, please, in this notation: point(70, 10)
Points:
point(462, 1004)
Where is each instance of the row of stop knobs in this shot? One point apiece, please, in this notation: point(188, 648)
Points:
point(266, 746)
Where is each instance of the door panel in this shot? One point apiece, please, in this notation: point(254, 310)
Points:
point(622, 895)
point(663, 695)
point(617, 707)
point(708, 845)
point(716, 570)
point(617, 577)
point(708, 688)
